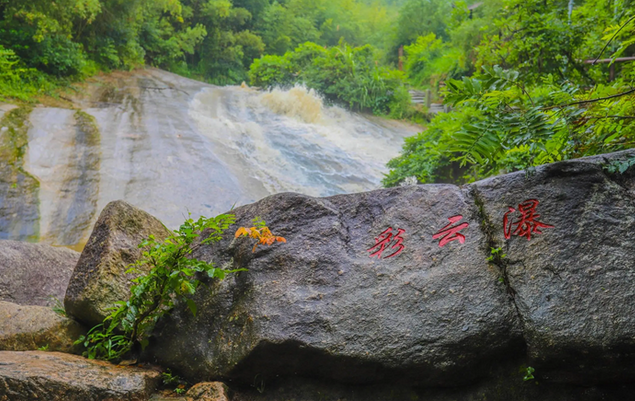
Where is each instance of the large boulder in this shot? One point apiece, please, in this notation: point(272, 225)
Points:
point(34, 274)
point(573, 275)
point(330, 304)
point(25, 328)
point(53, 376)
point(99, 279)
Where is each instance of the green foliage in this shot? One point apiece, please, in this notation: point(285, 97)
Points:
point(172, 275)
point(343, 74)
point(58, 306)
point(528, 373)
point(499, 125)
point(418, 18)
point(43, 348)
point(496, 254)
point(619, 166)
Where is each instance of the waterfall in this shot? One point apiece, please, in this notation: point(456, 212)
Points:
point(171, 145)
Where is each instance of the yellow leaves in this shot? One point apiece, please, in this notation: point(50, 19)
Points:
point(262, 235)
point(241, 231)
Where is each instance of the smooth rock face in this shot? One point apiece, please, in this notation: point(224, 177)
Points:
point(321, 306)
point(99, 280)
point(34, 274)
point(53, 376)
point(24, 328)
point(574, 284)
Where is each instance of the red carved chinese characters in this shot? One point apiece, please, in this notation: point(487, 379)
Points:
point(449, 234)
point(527, 223)
point(385, 239)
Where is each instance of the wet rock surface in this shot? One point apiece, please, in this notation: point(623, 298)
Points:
point(19, 189)
point(100, 279)
point(24, 328)
point(54, 376)
point(208, 391)
point(322, 305)
point(559, 299)
point(34, 274)
point(573, 277)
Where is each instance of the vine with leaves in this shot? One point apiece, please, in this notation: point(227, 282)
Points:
point(167, 273)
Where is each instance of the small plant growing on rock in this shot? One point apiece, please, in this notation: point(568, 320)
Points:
point(173, 381)
point(171, 275)
point(58, 306)
point(619, 166)
point(260, 232)
point(528, 373)
point(495, 254)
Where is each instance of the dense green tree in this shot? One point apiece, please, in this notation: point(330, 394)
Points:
point(531, 98)
point(343, 74)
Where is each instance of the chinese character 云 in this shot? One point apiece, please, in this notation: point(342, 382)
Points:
point(386, 238)
point(526, 224)
point(449, 234)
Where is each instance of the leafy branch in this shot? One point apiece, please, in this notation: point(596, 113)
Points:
point(172, 275)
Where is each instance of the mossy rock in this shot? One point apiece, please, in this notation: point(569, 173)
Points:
point(100, 277)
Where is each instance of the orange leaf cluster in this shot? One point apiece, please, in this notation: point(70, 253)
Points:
point(263, 236)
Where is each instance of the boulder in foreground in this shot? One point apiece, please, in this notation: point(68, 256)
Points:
point(543, 269)
point(329, 303)
point(99, 279)
point(53, 376)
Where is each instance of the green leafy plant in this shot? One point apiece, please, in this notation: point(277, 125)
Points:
point(43, 348)
point(528, 373)
point(58, 306)
point(499, 125)
point(495, 254)
point(171, 275)
point(170, 379)
point(173, 381)
point(619, 166)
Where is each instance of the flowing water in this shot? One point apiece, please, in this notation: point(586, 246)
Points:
point(171, 145)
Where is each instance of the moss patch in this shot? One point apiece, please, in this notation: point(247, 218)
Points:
point(19, 190)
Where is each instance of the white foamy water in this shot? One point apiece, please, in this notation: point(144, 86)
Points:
point(170, 145)
point(289, 141)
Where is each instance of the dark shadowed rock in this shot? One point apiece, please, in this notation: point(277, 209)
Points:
point(321, 306)
point(506, 386)
point(574, 283)
point(24, 328)
point(34, 274)
point(99, 280)
point(53, 376)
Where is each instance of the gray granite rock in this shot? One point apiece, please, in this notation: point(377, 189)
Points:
point(573, 282)
point(99, 279)
point(34, 274)
point(24, 328)
point(321, 305)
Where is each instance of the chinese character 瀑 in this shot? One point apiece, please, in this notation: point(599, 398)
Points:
point(385, 239)
point(527, 222)
point(448, 234)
